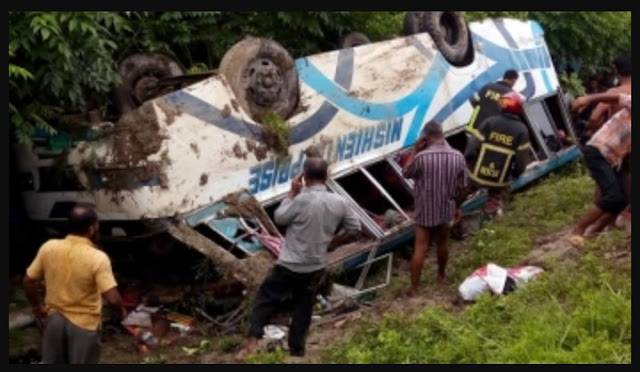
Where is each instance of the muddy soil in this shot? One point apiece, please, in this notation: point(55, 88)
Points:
point(136, 136)
point(170, 111)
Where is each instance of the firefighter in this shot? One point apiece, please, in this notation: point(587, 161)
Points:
point(485, 101)
point(498, 151)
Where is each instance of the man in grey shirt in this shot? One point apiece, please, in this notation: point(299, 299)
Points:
point(313, 215)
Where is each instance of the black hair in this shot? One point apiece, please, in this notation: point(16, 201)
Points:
point(315, 168)
point(82, 217)
point(510, 74)
point(623, 65)
point(433, 130)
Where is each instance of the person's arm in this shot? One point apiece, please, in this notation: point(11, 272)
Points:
point(581, 102)
point(600, 113)
point(598, 117)
point(115, 301)
point(286, 211)
point(475, 141)
point(351, 229)
point(462, 183)
point(107, 286)
point(411, 168)
point(30, 286)
point(522, 155)
point(30, 283)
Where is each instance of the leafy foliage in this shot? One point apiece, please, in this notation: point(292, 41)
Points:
point(592, 38)
point(572, 85)
point(27, 118)
point(70, 59)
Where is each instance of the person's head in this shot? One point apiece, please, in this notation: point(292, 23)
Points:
point(593, 85)
point(433, 133)
point(510, 77)
point(511, 103)
point(622, 66)
point(83, 221)
point(315, 170)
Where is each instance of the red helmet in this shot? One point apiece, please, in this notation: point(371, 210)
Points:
point(511, 102)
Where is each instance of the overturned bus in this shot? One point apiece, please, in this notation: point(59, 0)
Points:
point(208, 162)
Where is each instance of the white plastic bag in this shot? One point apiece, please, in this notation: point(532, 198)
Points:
point(496, 277)
point(492, 278)
point(487, 278)
point(274, 332)
point(472, 287)
point(522, 274)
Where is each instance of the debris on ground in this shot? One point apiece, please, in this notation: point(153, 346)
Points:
point(495, 279)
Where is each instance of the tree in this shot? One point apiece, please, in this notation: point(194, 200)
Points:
point(591, 38)
point(70, 60)
point(25, 117)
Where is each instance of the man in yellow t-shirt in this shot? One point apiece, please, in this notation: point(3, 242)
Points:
point(76, 275)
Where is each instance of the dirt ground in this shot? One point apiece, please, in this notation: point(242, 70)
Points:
point(120, 347)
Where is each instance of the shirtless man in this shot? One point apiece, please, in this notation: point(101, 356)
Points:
point(603, 112)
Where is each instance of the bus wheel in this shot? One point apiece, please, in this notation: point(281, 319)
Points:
point(262, 76)
point(413, 23)
point(141, 74)
point(448, 30)
point(450, 33)
point(353, 39)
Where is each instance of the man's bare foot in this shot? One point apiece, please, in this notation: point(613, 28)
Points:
point(443, 279)
point(577, 241)
point(411, 292)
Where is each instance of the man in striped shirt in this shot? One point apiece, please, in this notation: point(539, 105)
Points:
point(439, 177)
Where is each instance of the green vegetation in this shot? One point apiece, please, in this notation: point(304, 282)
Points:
point(276, 132)
point(228, 343)
point(572, 84)
point(556, 201)
point(592, 38)
point(154, 359)
point(276, 356)
point(582, 313)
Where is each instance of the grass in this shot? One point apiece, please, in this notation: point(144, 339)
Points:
point(554, 202)
point(277, 356)
point(582, 313)
point(276, 132)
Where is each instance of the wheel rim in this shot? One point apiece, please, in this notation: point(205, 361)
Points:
point(265, 82)
point(145, 88)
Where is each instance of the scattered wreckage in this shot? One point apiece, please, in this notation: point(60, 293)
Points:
point(206, 159)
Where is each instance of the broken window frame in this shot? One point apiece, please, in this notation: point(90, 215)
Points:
point(363, 276)
point(365, 218)
point(566, 124)
point(532, 122)
point(194, 220)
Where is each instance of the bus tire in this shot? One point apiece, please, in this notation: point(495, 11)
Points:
point(413, 23)
point(140, 74)
point(450, 33)
point(353, 39)
point(262, 76)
